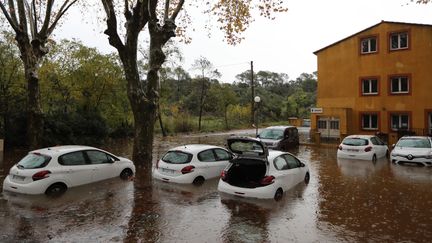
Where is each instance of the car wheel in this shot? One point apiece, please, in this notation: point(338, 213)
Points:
point(56, 190)
point(307, 178)
point(278, 194)
point(198, 181)
point(126, 174)
point(374, 158)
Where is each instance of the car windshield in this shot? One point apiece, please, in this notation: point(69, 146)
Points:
point(355, 141)
point(414, 143)
point(33, 161)
point(271, 134)
point(177, 157)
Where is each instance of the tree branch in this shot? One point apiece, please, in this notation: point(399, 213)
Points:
point(13, 24)
point(167, 3)
point(22, 16)
point(12, 11)
point(177, 10)
point(61, 12)
point(111, 30)
point(44, 29)
point(127, 12)
point(32, 21)
point(34, 16)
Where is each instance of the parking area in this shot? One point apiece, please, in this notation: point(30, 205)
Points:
point(345, 201)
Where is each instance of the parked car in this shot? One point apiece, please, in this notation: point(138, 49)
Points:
point(193, 163)
point(279, 137)
point(259, 173)
point(364, 147)
point(53, 170)
point(413, 150)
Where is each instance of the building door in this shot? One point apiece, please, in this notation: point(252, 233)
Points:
point(430, 123)
point(329, 127)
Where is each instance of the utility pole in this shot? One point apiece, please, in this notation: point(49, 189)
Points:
point(253, 95)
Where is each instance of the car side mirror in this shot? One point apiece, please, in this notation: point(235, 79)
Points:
point(257, 135)
point(302, 165)
point(111, 160)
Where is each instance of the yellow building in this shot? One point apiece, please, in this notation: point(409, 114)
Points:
point(377, 80)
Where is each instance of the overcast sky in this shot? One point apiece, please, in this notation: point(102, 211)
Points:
point(284, 45)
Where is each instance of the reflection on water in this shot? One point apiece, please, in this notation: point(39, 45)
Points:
point(346, 200)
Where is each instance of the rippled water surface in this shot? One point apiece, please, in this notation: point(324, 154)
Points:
point(345, 201)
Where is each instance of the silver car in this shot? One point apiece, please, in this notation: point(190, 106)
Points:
point(413, 150)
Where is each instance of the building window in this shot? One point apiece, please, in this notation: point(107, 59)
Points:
point(399, 41)
point(369, 121)
point(369, 86)
point(322, 124)
point(399, 121)
point(334, 125)
point(399, 85)
point(368, 45)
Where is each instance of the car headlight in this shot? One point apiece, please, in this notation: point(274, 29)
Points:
point(395, 154)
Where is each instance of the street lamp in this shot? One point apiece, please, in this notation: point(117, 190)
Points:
point(257, 100)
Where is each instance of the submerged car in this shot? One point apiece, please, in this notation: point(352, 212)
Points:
point(279, 137)
point(413, 150)
point(364, 147)
point(193, 163)
point(55, 169)
point(257, 172)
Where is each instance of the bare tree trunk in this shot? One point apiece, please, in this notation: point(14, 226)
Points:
point(34, 109)
point(160, 122)
point(201, 104)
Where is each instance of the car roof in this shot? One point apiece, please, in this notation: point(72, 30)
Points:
point(275, 153)
point(360, 136)
point(58, 150)
point(194, 148)
point(416, 137)
point(280, 127)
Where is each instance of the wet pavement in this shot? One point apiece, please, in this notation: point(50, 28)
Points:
point(345, 201)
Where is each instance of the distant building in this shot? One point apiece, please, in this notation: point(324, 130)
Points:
point(377, 80)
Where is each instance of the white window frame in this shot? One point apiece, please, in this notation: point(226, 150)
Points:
point(399, 116)
point(369, 45)
point(400, 91)
point(369, 117)
point(369, 81)
point(399, 37)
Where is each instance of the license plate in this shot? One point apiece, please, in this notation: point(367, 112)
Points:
point(169, 171)
point(353, 150)
point(18, 178)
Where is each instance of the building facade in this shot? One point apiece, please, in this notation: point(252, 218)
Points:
point(378, 80)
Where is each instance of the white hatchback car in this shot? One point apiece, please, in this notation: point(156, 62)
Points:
point(364, 147)
point(259, 173)
point(53, 170)
point(193, 163)
point(413, 150)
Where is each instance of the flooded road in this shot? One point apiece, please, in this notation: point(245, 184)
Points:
point(345, 201)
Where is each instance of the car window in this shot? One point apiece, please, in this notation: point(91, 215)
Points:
point(98, 157)
point(374, 141)
point(380, 141)
point(207, 156)
point(355, 141)
point(280, 163)
point(222, 154)
point(272, 134)
point(177, 157)
point(75, 158)
point(33, 161)
point(292, 161)
point(414, 143)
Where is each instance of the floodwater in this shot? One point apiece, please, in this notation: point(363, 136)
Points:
point(345, 201)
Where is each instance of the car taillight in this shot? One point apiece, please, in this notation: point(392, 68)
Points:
point(340, 147)
point(41, 175)
point(267, 180)
point(188, 169)
point(223, 175)
point(368, 148)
